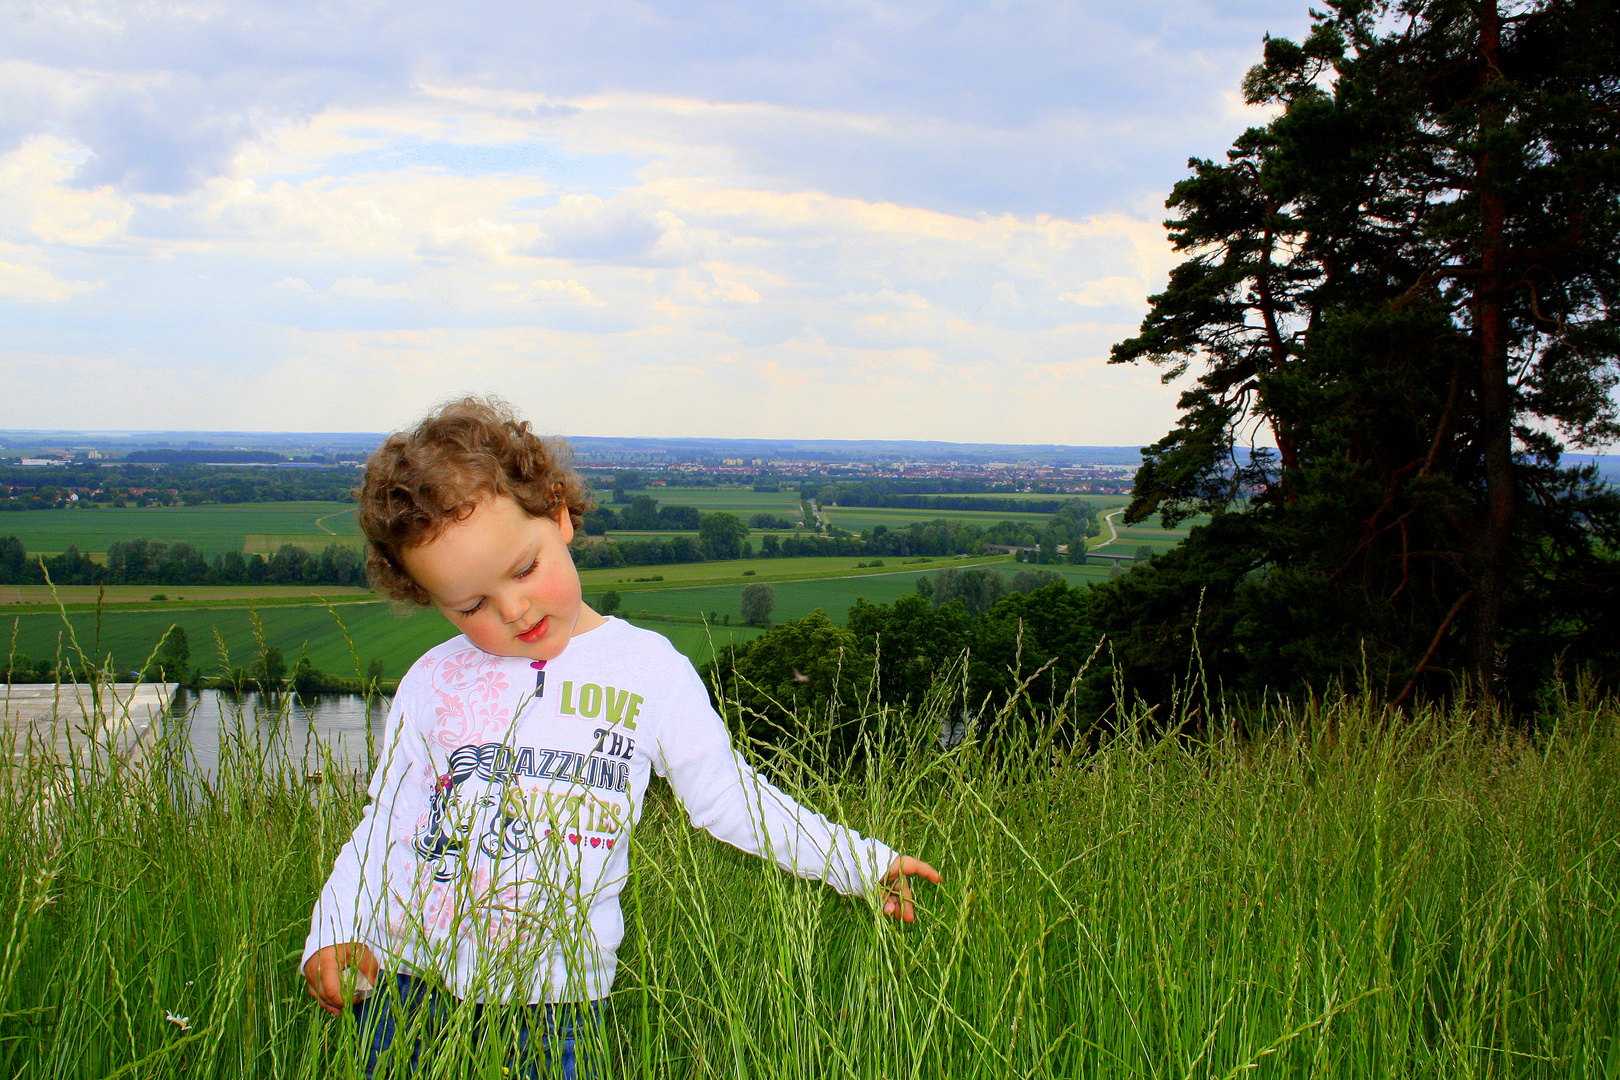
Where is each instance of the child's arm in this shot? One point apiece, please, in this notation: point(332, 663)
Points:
point(324, 974)
point(728, 799)
point(349, 908)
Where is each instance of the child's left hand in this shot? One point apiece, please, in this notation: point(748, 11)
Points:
point(897, 890)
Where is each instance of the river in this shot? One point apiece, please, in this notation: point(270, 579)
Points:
point(286, 731)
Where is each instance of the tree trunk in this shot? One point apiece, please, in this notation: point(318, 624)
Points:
point(1495, 395)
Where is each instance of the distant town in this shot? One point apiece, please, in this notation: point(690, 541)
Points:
point(1011, 468)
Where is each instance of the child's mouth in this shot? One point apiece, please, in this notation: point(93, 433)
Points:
point(535, 632)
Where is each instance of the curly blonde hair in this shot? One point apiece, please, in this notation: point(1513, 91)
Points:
point(421, 480)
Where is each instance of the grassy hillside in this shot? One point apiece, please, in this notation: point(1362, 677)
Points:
point(1353, 895)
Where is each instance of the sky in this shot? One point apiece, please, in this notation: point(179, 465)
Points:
point(861, 219)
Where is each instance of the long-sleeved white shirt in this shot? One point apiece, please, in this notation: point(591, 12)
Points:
point(496, 841)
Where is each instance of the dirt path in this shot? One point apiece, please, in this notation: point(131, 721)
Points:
point(320, 522)
point(1113, 533)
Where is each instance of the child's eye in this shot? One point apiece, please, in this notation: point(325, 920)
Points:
point(469, 612)
point(531, 568)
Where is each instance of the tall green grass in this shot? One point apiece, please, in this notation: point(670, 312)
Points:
point(1343, 893)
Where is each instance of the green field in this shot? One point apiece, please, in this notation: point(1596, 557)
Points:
point(261, 528)
point(796, 599)
point(130, 630)
point(269, 543)
point(680, 575)
point(213, 530)
point(863, 518)
point(732, 499)
point(297, 623)
point(377, 630)
point(47, 597)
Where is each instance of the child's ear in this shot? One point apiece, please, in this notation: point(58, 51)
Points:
point(565, 523)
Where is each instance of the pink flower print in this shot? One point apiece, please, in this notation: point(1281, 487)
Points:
point(452, 724)
point(474, 695)
point(469, 672)
point(444, 784)
point(452, 671)
point(439, 911)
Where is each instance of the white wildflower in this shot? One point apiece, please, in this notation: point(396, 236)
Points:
point(181, 1022)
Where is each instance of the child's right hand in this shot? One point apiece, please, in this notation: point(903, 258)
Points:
point(332, 967)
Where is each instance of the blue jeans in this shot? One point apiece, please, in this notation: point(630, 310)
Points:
point(568, 1034)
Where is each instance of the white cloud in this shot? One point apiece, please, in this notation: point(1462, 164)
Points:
point(363, 288)
point(570, 291)
point(589, 227)
point(35, 284)
point(898, 219)
point(38, 202)
point(1108, 291)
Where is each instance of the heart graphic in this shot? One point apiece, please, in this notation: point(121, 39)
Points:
point(548, 832)
point(573, 838)
point(596, 841)
point(610, 845)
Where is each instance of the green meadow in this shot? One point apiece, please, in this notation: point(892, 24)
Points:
point(739, 499)
point(213, 530)
point(794, 599)
point(133, 619)
point(261, 528)
point(1345, 893)
point(222, 638)
point(628, 579)
point(863, 518)
point(359, 626)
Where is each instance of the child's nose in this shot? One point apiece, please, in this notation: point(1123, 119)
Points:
point(512, 607)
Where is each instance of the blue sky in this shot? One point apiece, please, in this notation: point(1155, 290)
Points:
point(837, 219)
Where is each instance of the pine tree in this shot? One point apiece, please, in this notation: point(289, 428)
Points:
point(1406, 280)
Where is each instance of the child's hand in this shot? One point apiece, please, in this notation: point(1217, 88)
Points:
point(897, 890)
point(332, 967)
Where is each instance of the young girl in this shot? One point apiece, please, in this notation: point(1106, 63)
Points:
point(517, 754)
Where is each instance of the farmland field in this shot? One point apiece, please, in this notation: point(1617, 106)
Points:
point(377, 630)
point(173, 595)
point(625, 578)
point(297, 621)
point(261, 528)
point(862, 518)
point(834, 595)
point(732, 499)
point(213, 530)
point(269, 543)
point(1144, 533)
point(794, 599)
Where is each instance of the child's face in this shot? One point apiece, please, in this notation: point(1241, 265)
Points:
point(505, 579)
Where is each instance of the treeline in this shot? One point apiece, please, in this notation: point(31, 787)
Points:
point(804, 683)
point(643, 514)
point(174, 484)
point(153, 562)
